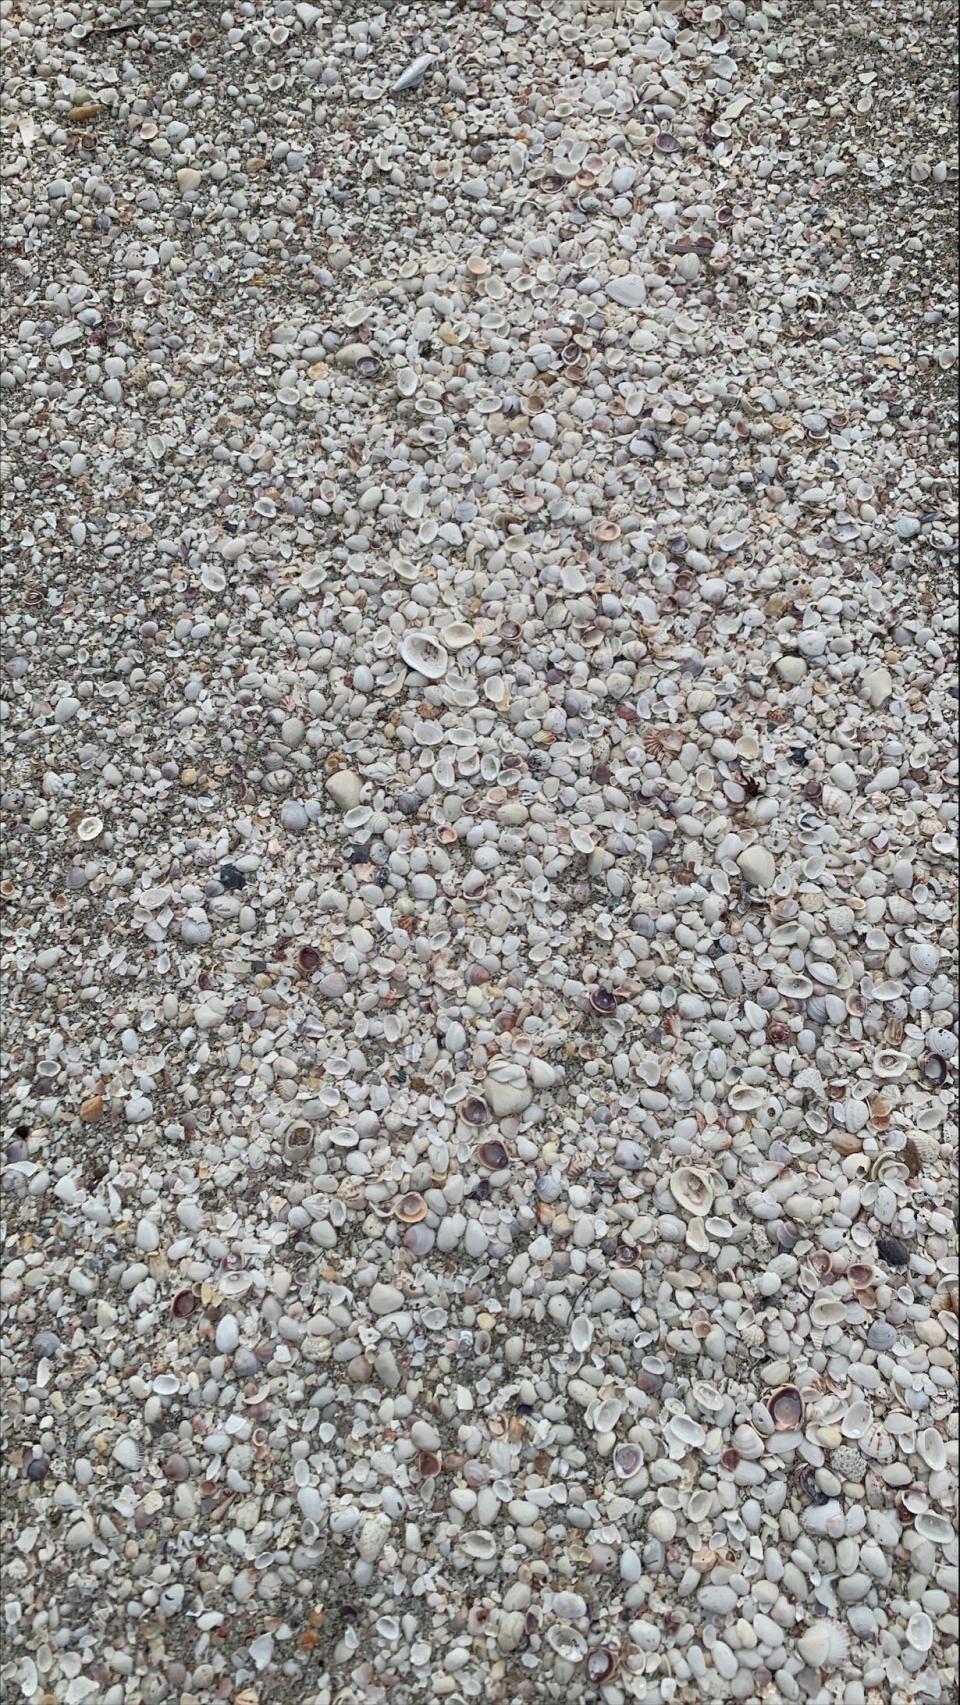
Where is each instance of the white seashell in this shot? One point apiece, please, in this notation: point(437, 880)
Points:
point(421, 651)
point(456, 635)
point(827, 1310)
point(889, 1064)
point(567, 1643)
point(693, 1188)
point(684, 1430)
point(935, 1528)
point(604, 1416)
point(747, 1442)
point(877, 1444)
point(212, 577)
point(89, 828)
point(707, 1396)
point(920, 1631)
point(931, 1448)
point(581, 1333)
point(745, 1097)
point(857, 1420)
point(478, 1544)
point(924, 957)
point(413, 74)
point(823, 1645)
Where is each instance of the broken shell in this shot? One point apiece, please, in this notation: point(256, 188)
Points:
point(410, 1208)
point(889, 1064)
point(746, 1097)
point(422, 652)
point(492, 1155)
point(297, 1142)
point(786, 1409)
point(693, 1188)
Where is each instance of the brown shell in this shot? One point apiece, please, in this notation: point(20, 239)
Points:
point(410, 1208)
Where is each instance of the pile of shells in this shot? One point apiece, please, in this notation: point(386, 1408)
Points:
point(480, 834)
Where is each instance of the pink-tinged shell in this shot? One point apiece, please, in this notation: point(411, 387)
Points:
point(410, 1208)
point(474, 1111)
point(786, 1409)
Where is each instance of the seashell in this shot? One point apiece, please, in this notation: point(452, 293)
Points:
point(309, 960)
point(492, 1155)
point(823, 1645)
point(924, 957)
point(936, 1528)
point(603, 1002)
point(428, 1464)
point(684, 1430)
point(601, 1665)
point(889, 1064)
point(827, 1310)
point(478, 1544)
point(877, 1444)
point(746, 1097)
point(747, 1443)
point(786, 1409)
point(893, 1252)
point(422, 652)
point(184, 1304)
point(89, 828)
point(474, 1111)
point(707, 1396)
point(418, 1240)
point(935, 1069)
point(567, 1643)
point(581, 1333)
point(693, 1189)
point(457, 635)
point(606, 531)
point(857, 1420)
point(920, 1631)
point(861, 1274)
point(297, 1142)
point(627, 1460)
point(410, 1208)
point(931, 1449)
point(413, 74)
point(603, 1417)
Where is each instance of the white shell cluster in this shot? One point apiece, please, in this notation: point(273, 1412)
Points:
point(480, 849)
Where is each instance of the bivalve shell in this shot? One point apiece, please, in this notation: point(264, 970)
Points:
point(422, 651)
point(693, 1188)
point(823, 1645)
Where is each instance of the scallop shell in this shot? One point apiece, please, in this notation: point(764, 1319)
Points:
point(693, 1188)
point(823, 1645)
point(889, 1064)
point(423, 652)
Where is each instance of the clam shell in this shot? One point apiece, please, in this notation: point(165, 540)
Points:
point(422, 651)
point(89, 828)
point(932, 1450)
point(936, 1528)
point(746, 1097)
point(478, 1544)
point(786, 1409)
point(920, 1631)
point(567, 1642)
point(857, 1420)
point(693, 1189)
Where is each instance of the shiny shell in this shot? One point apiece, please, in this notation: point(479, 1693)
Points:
point(410, 1208)
point(786, 1409)
point(492, 1155)
point(474, 1111)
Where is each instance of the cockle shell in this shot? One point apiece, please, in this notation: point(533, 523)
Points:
point(823, 1645)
